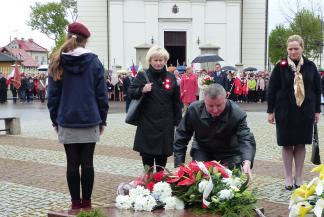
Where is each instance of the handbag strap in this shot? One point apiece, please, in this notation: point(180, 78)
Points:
point(146, 77)
point(315, 132)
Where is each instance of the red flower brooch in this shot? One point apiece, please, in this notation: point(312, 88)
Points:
point(167, 84)
point(283, 63)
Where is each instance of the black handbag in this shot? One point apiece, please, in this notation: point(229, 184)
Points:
point(134, 107)
point(315, 159)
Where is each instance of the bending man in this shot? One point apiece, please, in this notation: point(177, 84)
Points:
point(220, 132)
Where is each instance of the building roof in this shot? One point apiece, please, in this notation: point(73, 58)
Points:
point(7, 58)
point(22, 55)
point(29, 45)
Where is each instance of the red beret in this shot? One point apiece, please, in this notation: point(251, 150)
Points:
point(79, 29)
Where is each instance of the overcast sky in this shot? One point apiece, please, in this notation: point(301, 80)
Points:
point(15, 13)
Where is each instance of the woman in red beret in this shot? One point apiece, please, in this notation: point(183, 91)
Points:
point(78, 106)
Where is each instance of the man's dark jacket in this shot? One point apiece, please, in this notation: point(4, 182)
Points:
point(221, 79)
point(227, 138)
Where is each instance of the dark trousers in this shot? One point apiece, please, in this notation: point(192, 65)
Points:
point(41, 95)
point(3, 96)
point(262, 95)
point(14, 96)
point(160, 161)
point(80, 154)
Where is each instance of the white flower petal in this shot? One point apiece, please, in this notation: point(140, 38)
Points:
point(318, 209)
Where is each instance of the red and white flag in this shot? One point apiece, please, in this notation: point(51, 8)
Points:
point(15, 77)
point(134, 72)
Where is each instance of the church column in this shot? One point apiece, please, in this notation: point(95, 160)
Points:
point(198, 26)
point(233, 36)
point(117, 32)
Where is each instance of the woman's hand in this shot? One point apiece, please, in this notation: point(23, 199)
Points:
point(101, 129)
point(271, 118)
point(316, 118)
point(147, 88)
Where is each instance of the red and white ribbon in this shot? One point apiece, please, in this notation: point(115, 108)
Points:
point(210, 184)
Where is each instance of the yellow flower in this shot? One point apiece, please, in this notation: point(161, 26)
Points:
point(303, 210)
point(320, 170)
point(304, 192)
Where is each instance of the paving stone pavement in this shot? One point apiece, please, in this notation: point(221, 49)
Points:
point(32, 165)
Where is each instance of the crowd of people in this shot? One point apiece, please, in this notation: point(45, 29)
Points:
point(32, 87)
point(241, 87)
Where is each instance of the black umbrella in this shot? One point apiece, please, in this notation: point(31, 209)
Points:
point(250, 69)
point(205, 58)
point(229, 68)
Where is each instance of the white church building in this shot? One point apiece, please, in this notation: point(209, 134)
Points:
point(123, 30)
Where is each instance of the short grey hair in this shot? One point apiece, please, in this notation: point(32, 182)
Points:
point(159, 51)
point(215, 90)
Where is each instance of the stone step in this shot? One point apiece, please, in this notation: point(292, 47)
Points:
point(112, 211)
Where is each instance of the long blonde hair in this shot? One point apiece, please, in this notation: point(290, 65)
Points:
point(73, 41)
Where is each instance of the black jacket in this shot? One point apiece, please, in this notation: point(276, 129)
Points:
point(281, 90)
point(227, 137)
point(160, 112)
point(126, 84)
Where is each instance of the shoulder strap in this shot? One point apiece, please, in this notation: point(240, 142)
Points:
point(146, 77)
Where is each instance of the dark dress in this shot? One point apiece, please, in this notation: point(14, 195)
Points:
point(160, 113)
point(294, 124)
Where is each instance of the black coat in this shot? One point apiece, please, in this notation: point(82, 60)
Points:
point(160, 112)
point(126, 84)
point(294, 124)
point(226, 138)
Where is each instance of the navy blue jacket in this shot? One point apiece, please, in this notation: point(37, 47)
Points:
point(79, 100)
point(221, 79)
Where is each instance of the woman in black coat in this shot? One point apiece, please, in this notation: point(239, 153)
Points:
point(294, 96)
point(160, 110)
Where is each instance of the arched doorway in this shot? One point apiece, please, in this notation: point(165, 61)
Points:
point(175, 43)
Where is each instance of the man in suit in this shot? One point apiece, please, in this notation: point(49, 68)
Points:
point(220, 77)
point(126, 83)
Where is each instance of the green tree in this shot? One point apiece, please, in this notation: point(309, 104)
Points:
point(277, 43)
point(71, 8)
point(308, 26)
point(305, 23)
point(49, 19)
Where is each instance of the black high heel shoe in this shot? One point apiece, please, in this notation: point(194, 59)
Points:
point(296, 186)
point(289, 187)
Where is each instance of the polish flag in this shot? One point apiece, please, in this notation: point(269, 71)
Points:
point(134, 72)
point(15, 77)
